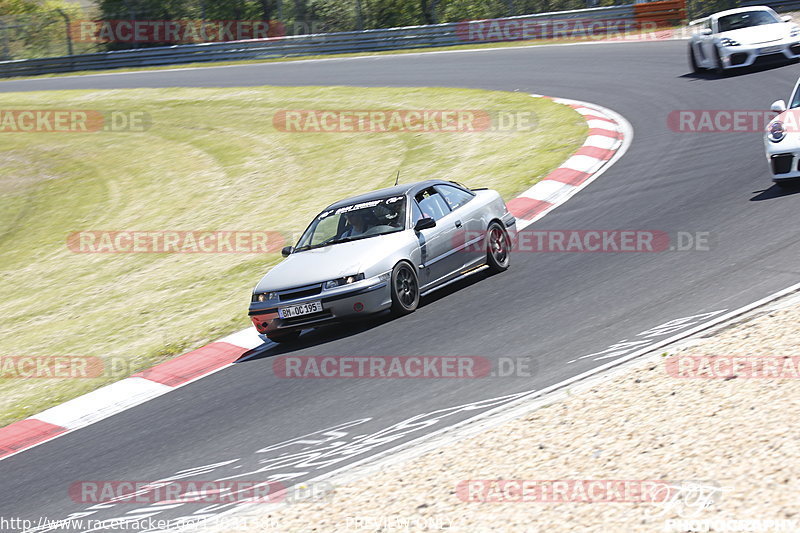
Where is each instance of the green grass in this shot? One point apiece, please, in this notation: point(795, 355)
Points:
point(211, 160)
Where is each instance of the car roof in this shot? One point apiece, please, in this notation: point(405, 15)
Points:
point(397, 190)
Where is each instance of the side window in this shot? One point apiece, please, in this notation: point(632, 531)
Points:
point(416, 213)
point(432, 204)
point(454, 196)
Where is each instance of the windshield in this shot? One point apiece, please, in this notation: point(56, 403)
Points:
point(795, 99)
point(745, 20)
point(355, 221)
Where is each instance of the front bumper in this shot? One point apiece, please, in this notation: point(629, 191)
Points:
point(783, 157)
point(745, 56)
point(369, 296)
point(784, 165)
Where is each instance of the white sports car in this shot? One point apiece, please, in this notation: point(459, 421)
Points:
point(782, 140)
point(741, 37)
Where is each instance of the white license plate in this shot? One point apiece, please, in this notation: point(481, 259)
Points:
point(770, 50)
point(301, 309)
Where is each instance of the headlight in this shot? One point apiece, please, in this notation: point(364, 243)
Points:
point(795, 32)
point(347, 280)
point(725, 41)
point(265, 296)
point(776, 131)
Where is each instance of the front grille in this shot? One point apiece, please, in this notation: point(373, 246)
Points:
point(795, 48)
point(770, 59)
point(738, 58)
point(781, 163)
point(303, 293)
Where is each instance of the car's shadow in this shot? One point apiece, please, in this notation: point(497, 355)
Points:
point(326, 334)
point(710, 75)
point(776, 192)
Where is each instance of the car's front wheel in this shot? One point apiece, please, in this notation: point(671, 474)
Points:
point(284, 336)
point(497, 248)
point(405, 289)
point(718, 68)
point(693, 60)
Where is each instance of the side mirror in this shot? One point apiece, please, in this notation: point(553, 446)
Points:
point(778, 106)
point(287, 251)
point(786, 18)
point(705, 31)
point(424, 223)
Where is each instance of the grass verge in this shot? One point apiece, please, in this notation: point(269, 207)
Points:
point(211, 160)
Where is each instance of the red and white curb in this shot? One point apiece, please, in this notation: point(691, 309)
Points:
point(609, 137)
point(129, 392)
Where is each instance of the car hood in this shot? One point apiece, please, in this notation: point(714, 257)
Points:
point(766, 33)
point(330, 262)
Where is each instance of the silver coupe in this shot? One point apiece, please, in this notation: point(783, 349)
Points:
point(382, 250)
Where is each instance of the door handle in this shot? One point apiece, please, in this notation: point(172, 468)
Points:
point(458, 223)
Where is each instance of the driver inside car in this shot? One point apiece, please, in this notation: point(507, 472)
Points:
point(356, 224)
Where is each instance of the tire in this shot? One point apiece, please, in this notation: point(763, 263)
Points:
point(405, 289)
point(284, 336)
point(693, 61)
point(498, 246)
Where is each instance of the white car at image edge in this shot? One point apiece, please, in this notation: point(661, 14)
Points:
point(741, 37)
point(782, 140)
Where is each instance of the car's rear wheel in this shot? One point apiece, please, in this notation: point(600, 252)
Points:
point(284, 336)
point(693, 60)
point(497, 248)
point(405, 289)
